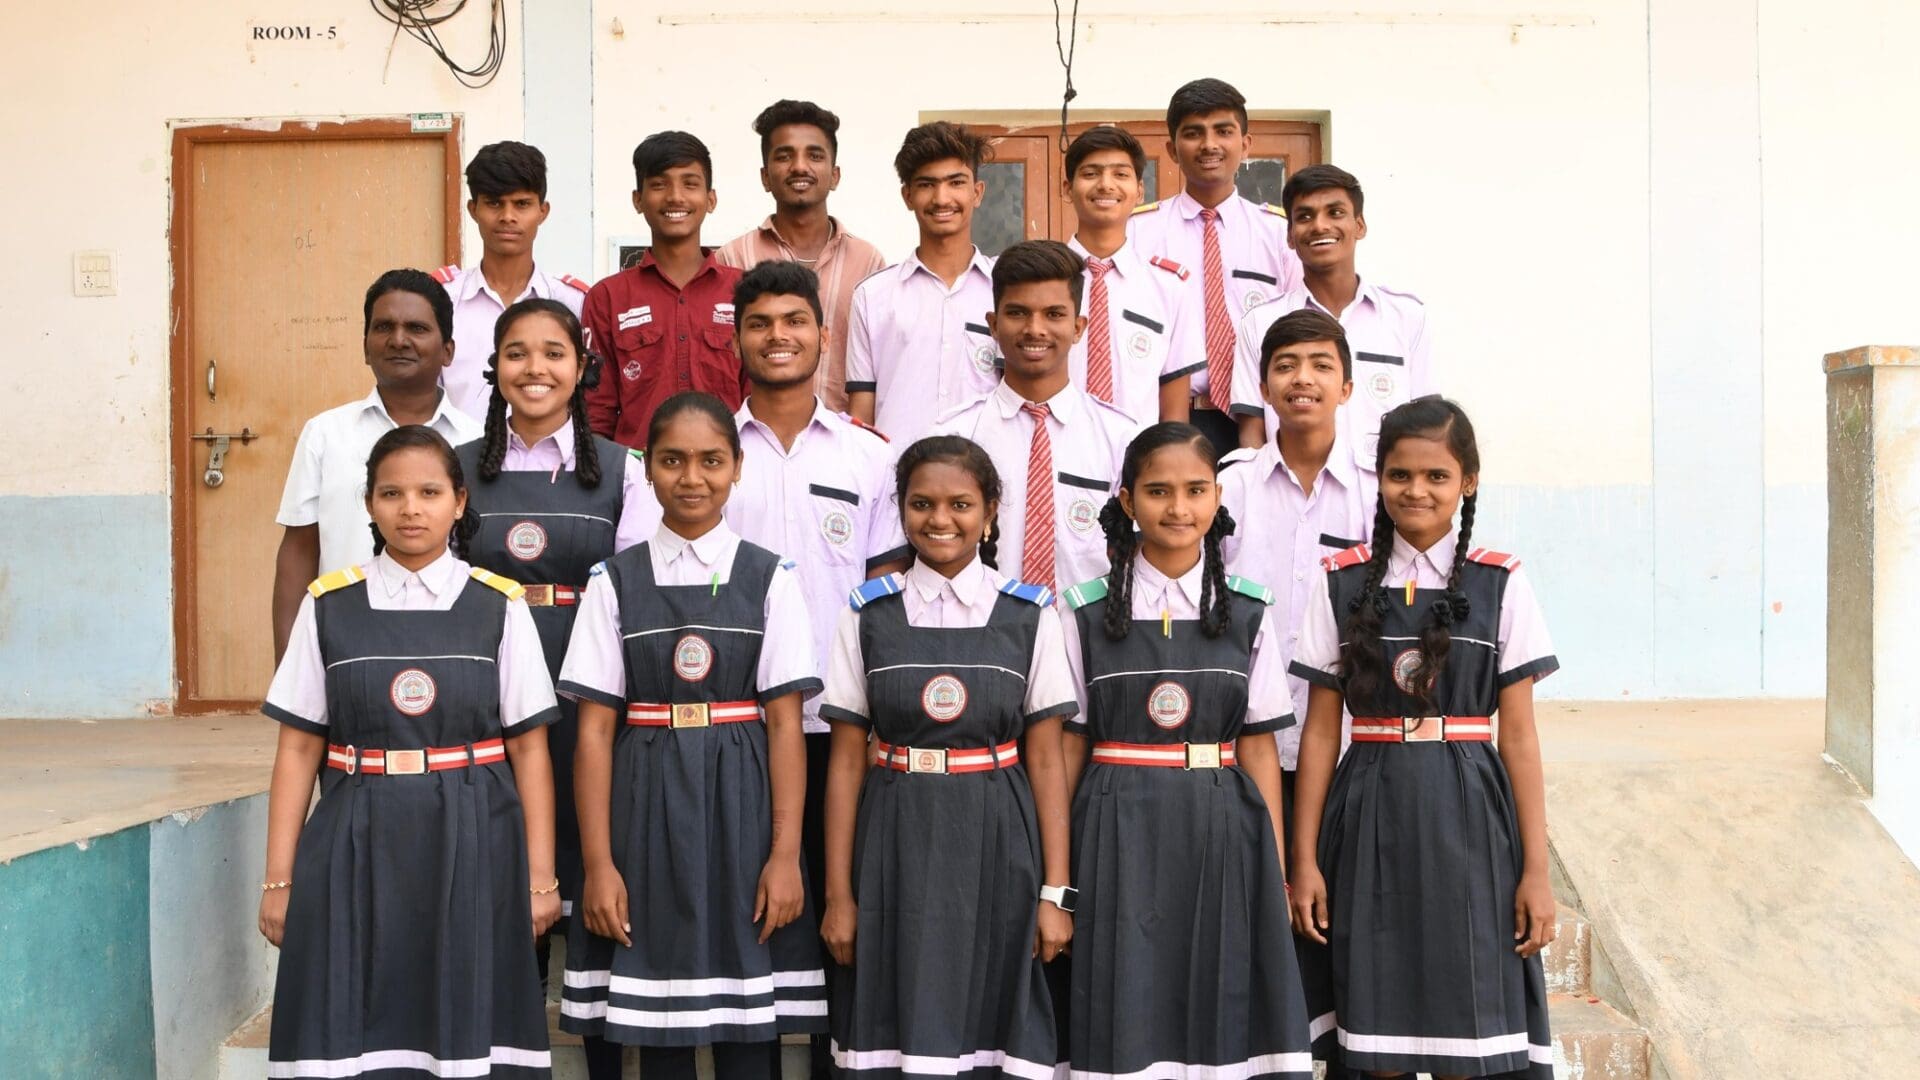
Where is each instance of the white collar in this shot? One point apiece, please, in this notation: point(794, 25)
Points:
point(1149, 581)
point(707, 548)
point(1067, 406)
point(966, 585)
point(562, 437)
point(438, 575)
point(1439, 557)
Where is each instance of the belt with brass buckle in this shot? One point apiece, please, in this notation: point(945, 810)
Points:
point(551, 595)
point(691, 714)
point(356, 760)
point(1420, 729)
point(916, 759)
point(1168, 755)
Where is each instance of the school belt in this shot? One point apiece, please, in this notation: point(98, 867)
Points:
point(1406, 729)
point(921, 760)
point(693, 714)
point(1167, 755)
point(552, 595)
point(353, 759)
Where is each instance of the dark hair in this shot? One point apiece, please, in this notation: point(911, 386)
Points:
point(414, 281)
point(1299, 327)
point(776, 277)
point(962, 453)
point(939, 141)
point(1105, 137)
point(1364, 657)
point(1319, 178)
point(502, 168)
point(669, 150)
point(586, 456)
point(420, 437)
point(1203, 96)
point(1039, 260)
point(1216, 600)
point(788, 111)
point(695, 401)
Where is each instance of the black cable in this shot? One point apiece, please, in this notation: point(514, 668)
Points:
point(1066, 61)
point(416, 18)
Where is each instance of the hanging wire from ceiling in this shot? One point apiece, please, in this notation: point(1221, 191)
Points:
point(421, 22)
point(1065, 53)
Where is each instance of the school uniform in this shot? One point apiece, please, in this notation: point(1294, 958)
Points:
point(476, 308)
point(1078, 450)
point(686, 640)
point(1183, 961)
point(1143, 330)
point(1392, 359)
point(659, 338)
point(946, 675)
point(405, 951)
point(539, 527)
point(1419, 841)
point(327, 479)
point(920, 346)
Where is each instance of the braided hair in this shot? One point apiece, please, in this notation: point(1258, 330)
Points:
point(964, 454)
point(420, 437)
point(586, 456)
point(1363, 656)
point(1123, 540)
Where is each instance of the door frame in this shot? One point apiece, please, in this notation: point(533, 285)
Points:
point(188, 136)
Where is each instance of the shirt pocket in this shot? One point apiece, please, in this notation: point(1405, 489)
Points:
point(716, 366)
point(1080, 499)
point(635, 351)
point(982, 354)
point(1143, 340)
point(836, 513)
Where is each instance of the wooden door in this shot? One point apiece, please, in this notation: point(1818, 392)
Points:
point(276, 236)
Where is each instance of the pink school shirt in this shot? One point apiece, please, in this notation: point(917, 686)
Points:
point(1156, 331)
point(476, 308)
point(919, 346)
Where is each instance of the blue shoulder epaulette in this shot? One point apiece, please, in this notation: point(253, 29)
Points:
point(1086, 593)
point(1250, 588)
point(788, 564)
point(597, 568)
point(874, 589)
point(1033, 594)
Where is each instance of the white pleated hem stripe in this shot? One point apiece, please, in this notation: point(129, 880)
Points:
point(692, 1018)
point(632, 987)
point(925, 1065)
point(1262, 1065)
point(1428, 1046)
point(420, 1060)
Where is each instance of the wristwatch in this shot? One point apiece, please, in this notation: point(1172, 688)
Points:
point(1062, 896)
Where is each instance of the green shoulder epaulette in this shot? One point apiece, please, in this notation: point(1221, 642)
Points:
point(339, 579)
point(1086, 593)
point(1250, 588)
point(508, 586)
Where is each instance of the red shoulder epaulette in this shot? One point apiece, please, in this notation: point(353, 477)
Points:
point(864, 426)
point(1353, 556)
point(1171, 267)
point(569, 279)
point(446, 274)
point(1494, 558)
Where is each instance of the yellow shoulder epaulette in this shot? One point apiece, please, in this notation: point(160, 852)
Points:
point(1276, 211)
point(339, 579)
point(508, 586)
point(1146, 208)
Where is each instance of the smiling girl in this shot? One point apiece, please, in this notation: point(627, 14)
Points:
point(415, 688)
point(1420, 864)
point(689, 660)
point(945, 862)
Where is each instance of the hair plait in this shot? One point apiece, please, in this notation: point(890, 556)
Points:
point(1122, 543)
point(586, 456)
point(1216, 599)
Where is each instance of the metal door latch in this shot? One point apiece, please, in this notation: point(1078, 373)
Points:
point(216, 473)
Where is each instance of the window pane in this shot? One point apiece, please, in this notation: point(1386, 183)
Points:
point(1260, 179)
point(1150, 183)
point(1001, 221)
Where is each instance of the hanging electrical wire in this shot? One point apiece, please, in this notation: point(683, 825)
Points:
point(418, 19)
point(1066, 61)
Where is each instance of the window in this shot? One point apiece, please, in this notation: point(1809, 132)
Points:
point(1024, 201)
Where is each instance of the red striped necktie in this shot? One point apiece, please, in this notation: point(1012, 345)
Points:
point(1219, 323)
point(1036, 548)
point(1099, 332)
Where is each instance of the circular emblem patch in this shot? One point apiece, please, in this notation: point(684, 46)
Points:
point(983, 359)
point(526, 540)
point(1404, 666)
point(1082, 516)
point(412, 691)
point(837, 527)
point(1139, 345)
point(630, 370)
point(692, 658)
point(944, 698)
point(1381, 386)
point(1254, 299)
point(1168, 705)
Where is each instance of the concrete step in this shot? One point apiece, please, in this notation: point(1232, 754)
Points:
point(1569, 960)
point(1593, 1041)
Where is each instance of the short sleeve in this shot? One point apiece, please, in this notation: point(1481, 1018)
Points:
point(298, 694)
point(300, 500)
point(526, 690)
point(1247, 398)
point(1317, 656)
point(886, 541)
point(1076, 674)
point(860, 377)
point(595, 668)
point(1526, 650)
point(1422, 375)
point(786, 651)
point(1269, 698)
point(845, 699)
point(1051, 690)
point(639, 510)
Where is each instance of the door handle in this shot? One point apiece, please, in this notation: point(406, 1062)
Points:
point(216, 473)
point(210, 373)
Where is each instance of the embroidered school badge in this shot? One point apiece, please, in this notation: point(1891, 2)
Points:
point(837, 527)
point(1139, 345)
point(1169, 705)
point(1082, 516)
point(944, 698)
point(1404, 666)
point(630, 370)
point(692, 658)
point(412, 692)
point(1254, 299)
point(1381, 386)
point(526, 540)
point(983, 359)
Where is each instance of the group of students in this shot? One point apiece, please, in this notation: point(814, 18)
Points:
point(785, 718)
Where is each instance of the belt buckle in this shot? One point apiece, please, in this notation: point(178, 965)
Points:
point(353, 759)
point(691, 715)
point(405, 763)
point(539, 595)
point(1203, 755)
point(926, 761)
point(1422, 729)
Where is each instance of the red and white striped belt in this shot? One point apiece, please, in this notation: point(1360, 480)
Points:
point(1406, 729)
point(1166, 755)
point(692, 714)
point(552, 595)
point(353, 759)
point(921, 760)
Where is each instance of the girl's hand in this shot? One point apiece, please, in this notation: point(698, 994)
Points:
point(1307, 897)
point(546, 911)
point(837, 928)
point(1533, 914)
point(779, 896)
point(273, 915)
point(1053, 933)
point(603, 902)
